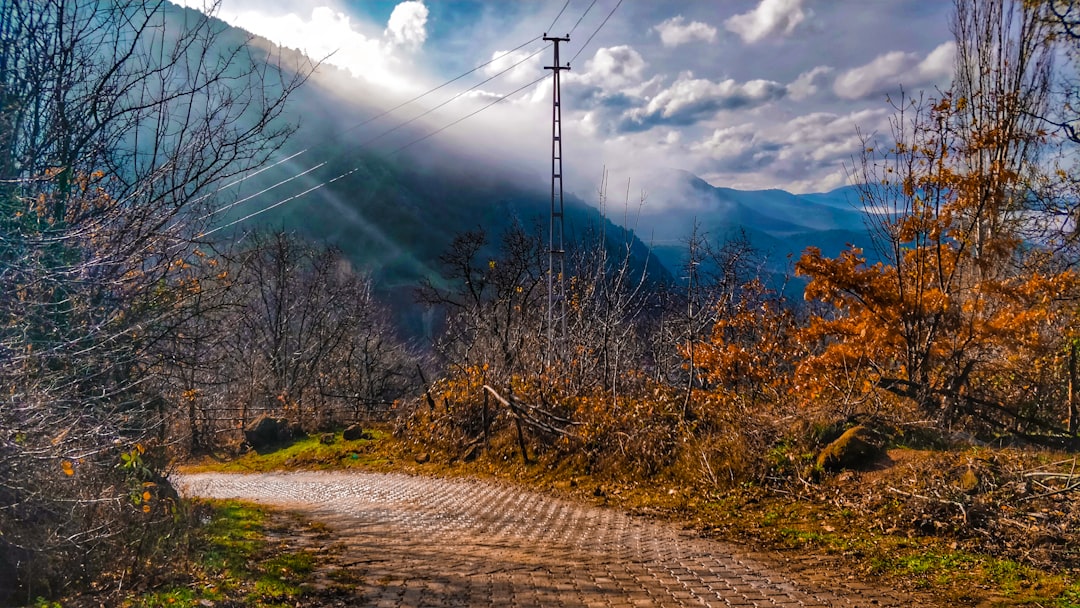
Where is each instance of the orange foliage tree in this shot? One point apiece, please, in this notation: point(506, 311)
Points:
point(963, 315)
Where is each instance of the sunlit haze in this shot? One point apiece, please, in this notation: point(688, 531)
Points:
point(749, 94)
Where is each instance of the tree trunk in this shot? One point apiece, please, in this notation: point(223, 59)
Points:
point(1074, 410)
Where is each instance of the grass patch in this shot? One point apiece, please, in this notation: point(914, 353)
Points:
point(1070, 598)
point(1018, 584)
point(309, 453)
point(232, 562)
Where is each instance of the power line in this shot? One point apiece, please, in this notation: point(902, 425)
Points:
point(375, 138)
point(448, 82)
point(587, 9)
point(597, 30)
point(381, 114)
point(357, 168)
point(552, 26)
point(471, 114)
point(466, 91)
point(263, 191)
point(283, 201)
point(399, 126)
point(246, 177)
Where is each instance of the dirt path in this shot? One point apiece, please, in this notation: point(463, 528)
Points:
point(414, 541)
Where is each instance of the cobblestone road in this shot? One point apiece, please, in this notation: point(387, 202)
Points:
point(415, 541)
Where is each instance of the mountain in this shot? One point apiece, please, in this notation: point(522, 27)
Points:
point(395, 212)
point(778, 224)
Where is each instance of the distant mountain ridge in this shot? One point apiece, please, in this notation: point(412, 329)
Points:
point(779, 224)
point(394, 214)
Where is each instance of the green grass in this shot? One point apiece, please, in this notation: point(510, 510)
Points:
point(1070, 598)
point(233, 562)
point(1022, 585)
point(306, 453)
point(281, 577)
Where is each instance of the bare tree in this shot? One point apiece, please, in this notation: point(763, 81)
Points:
point(120, 122)
point(310, 339)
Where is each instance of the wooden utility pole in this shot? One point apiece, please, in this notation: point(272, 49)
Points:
point(556, 250)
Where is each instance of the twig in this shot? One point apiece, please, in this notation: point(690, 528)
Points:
point(522, 411)
point(1065, 490)
point(958, 505)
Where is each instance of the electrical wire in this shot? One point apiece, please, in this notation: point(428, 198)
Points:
point(263, 191)
point(471, 114)
point(379, 136)
point(432, 90)
point(587, 9)
point(401, 125)
point(376, 137)
point(597, 30)
point(368, 121)
point(357, 168)
point(552, 26)
point(246, 177)
point(466, 91)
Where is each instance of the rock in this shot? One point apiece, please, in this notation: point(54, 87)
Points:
point(265, 431)
point(354, 432)
point(326, 438)
point(857, 448)
point(423, 458)
point(969, 481)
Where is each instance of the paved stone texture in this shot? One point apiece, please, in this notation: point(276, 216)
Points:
point(415, 541)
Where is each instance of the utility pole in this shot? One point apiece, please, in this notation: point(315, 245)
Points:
point(556, 250)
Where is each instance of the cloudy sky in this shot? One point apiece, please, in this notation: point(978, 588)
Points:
point(749, 94)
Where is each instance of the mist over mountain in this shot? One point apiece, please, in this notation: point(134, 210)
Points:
point(392, 196)
point(778, 224)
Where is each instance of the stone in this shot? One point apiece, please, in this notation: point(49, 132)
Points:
point(266, 431)
point(857, 448)
point(327, 438)
point(969, 481)
point(354, 432)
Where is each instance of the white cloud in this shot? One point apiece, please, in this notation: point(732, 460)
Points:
point(522, 68)
point(615, 67)
point(689, 100)
point(771, 17)
point(829, 137)
point(883, 73)
point(407, 26)
point(808, 83)
point(324, 32)
point(675, 31)
point(940, 63)
point(729, 143)
point(888, 72)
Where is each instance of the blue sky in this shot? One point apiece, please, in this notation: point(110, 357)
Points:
point(749, 94)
